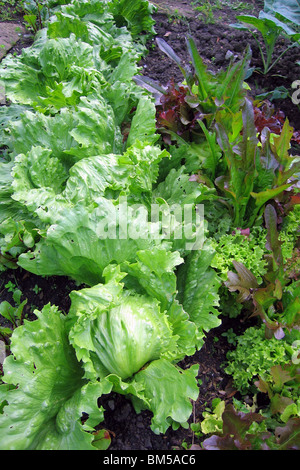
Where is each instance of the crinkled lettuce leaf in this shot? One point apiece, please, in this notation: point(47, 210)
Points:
point(198, 286)
point(112, 174)
point(52, 73)
point(136, 15)
point(43, 406)
point(81, 243)
point(91, 22)
point(153, 274)
point(72, 134)
point(8, 206)
point(169, 391)
point(177, 188)
point(130, 334)
point(38, 169)
point(143, 125)
point(117, 330)
point(9, 114)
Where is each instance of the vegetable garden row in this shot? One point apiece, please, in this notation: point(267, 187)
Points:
point(104, 178)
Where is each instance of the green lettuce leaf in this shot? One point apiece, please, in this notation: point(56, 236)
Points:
point(169, 390)
point(9, 115)
point(82, 243)
point(44, 408)
point(153, 274)
point(178, 188)
point(135, 14)
point(198, 286)
point(91, 22)
point(96, 131)
point(39, 130)
point(71, 134)
point(51, 73)
point(112, 175)
point(38, 169)
point(126, 337)
point(143, 123)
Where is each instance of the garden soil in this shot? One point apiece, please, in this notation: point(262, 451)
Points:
point(174, 21)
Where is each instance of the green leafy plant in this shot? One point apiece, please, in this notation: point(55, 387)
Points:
point(273, 22)
point(203, 94)
point(74, 151)
point(38, 12)
point(212, 418)
point(276, 301)
point(254, 168)
point(14, 314)
point(251, 431)
point(281, 387)
point(9, 8)
point(244, 246)
point(208, 91)
point(206, 11)
point(251, 180)
point(245, 368)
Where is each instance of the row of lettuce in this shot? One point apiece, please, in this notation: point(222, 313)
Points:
point(79, 137)
point(79, 144)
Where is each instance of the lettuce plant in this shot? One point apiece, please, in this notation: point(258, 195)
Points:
point(203, 94)
point(77, 148)
point(249, 430)
point(276, 300)
point(254, 356)
point(247, 248)
point(114, 338)
point(229, 146)
point(257, 170)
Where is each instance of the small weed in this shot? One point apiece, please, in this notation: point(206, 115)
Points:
point(206, 11)
point(175, 17)
point(10, 286)
point(231, 336)
point(36, 289)
point(14, 314)
point(10, 8)
point(206, 8)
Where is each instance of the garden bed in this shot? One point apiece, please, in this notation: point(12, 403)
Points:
point(214, 38)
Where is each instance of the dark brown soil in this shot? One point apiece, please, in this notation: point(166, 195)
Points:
point(174, 20)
